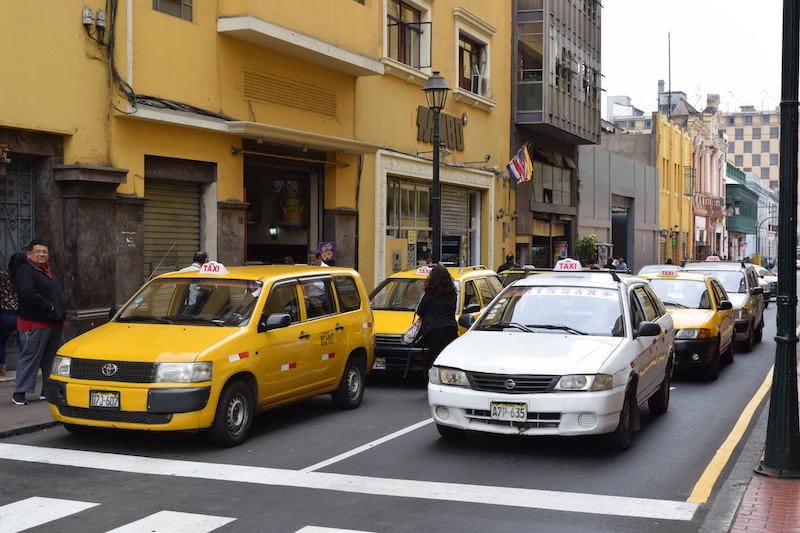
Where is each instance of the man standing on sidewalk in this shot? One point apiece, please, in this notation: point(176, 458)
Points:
point(40, 321)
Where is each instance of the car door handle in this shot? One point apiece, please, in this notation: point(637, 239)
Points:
point(304, 335)
point(339, 327)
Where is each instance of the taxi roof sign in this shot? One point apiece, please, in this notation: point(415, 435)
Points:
point(669, 271)
point(423, 271)
point(568, 265)
point(213, 267)
point(712, 258)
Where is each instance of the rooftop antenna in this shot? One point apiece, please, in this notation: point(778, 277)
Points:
point(669, 76)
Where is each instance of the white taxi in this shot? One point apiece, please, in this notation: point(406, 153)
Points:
point(564, 353)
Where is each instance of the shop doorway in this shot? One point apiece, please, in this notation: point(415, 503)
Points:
point(16, 206)
point(284, 210)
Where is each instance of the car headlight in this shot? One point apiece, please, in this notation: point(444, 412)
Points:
point(585, 382)
point(742, 314)
point(182, 372)
point(61, 366)
point(693, 333)
point(448, 376)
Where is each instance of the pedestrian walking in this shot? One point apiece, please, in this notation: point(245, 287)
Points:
point(8, 307)
point(621, 264)
point(42, 308)
point(437, 310)
point(199, 259)
point(510, 263)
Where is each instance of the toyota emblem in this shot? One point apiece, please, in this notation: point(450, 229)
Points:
point(510, 384)
point(109, 369)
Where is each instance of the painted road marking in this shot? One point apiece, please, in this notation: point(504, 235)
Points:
point(367, 446)
point(32, 512)
point(316, 529)
point(175, 522)
point(704, 486)
point(403, 488)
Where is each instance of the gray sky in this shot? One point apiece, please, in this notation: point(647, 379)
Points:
point(726, 47)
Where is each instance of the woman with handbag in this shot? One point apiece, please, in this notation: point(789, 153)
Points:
point(437, 312)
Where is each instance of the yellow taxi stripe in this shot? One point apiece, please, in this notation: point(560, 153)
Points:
point(704, 485)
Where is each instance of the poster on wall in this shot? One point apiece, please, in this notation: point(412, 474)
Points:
point(327, 250)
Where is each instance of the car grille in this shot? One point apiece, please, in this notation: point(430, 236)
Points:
point(389, 340)
point(535, 420)
point(126, 372)
point(522, 384)
point(108, 415)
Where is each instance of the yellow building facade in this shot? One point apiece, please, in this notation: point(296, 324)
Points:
point(258, 131)
point(674, 160)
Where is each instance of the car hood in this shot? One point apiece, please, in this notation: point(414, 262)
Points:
point(147, 342)
point(392, 322)
point(690, 318)
point(507, 352)
point(771, 279)
point(738, 299)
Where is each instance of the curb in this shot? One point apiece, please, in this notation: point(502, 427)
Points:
point(33, 428)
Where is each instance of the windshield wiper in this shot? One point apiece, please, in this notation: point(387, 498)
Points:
point(194, 320)
point(559, 327)
point(503, 325)
point(676, 304)
point(135, 318)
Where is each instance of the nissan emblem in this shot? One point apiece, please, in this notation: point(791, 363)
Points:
point(109, 369)
point(510, 384)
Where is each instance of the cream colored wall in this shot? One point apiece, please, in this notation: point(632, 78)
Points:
point(55, 79)
point(348, 24)
point(673, 154)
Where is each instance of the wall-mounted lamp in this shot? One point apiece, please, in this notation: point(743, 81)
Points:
point(273, 231)
point(500, 213)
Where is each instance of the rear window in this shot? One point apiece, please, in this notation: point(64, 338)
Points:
point(398, 294)
point(347, 292)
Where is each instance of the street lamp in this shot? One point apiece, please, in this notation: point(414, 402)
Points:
point(436, 90)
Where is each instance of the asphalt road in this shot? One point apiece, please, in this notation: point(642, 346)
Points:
point(312, 465)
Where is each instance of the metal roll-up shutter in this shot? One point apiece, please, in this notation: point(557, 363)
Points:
point(171, 225)
point(455, 211)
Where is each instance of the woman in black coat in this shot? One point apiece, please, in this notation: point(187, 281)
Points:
point(437, 310)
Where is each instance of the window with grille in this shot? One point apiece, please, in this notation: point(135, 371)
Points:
point(177, 8)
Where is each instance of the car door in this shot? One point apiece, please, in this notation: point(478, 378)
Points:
point(286, 353)
point(326, 330)
point(726, 318)
point(758, 308)
point(648, 348)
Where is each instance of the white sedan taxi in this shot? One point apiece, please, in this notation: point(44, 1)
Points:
point(564, 353)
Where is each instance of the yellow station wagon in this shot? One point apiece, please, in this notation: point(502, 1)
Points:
point(206, 350)
point(395, 299)
point(703, 316)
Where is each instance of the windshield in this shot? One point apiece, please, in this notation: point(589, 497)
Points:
point(682, 293)
point(572, 310)
point(507, 278)
point(732, 280)
point(204, 302)
point(400, 294)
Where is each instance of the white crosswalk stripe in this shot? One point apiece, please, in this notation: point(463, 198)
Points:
point(35, 511)
point(174, 522)
point(317, 529)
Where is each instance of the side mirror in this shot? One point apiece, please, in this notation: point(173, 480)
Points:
point(724, 305)
point(472, 308)
point(757, 290)
point(648, 329)
point(466, 320)
point(274, 321)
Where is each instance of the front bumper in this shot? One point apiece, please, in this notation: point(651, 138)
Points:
point(694, 352)
point(393, 356)
point(163, 409)
point(552, 413)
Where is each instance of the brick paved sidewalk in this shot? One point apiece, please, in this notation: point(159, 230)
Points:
point(769, 504)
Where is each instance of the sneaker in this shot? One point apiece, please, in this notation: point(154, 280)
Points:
point(19, 399)
point(42, 396)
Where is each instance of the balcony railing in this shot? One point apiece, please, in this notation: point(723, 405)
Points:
point(712, 204)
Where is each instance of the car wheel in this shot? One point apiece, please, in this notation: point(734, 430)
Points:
point(659, 401)
point(351, 387)
point(450, 433)
point(727, 356)
point(620, 439)
point(711, 370)
point(750, 342)
point(234, 416)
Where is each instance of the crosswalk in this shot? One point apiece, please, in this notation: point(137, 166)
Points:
point(38, 511)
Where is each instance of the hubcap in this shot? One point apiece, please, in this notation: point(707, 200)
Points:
point(237, 414)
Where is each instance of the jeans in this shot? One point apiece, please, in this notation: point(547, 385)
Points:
point(8, 323)
point(38, 350)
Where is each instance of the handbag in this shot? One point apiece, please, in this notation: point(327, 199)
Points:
point(411, 336)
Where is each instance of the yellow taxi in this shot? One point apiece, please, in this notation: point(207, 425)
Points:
point(395, 299)
point(510, 275)
point(206, 350)
point(703, 315)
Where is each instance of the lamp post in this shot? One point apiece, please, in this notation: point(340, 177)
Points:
point(436, 90)
point(758, 231)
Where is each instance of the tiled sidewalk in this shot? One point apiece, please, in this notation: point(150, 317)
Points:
point(769, 504)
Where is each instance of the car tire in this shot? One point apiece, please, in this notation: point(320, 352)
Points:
point(620, 439)
point(450, 433)
point(351, 386)
point(750, 342)
point(727, 356)
point(658, 403)
point(234, 416)
point(711, 370)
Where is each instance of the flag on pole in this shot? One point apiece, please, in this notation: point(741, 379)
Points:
point(520, 166)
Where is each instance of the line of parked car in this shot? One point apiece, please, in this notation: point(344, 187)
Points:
point(541, 352)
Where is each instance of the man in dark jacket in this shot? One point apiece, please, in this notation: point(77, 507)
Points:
point(508, 264)
point(40, 320)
